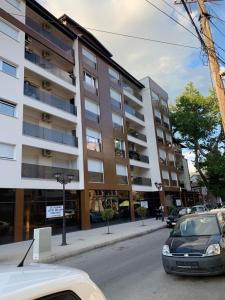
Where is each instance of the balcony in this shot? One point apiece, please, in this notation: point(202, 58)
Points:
point(132, 91)
point(93, 144)
point(173, 182)
point(122, 179)
point(120, 153)
point(142, 181)
point(50, 99)
point(130, 110)
point(163, 161)
point(90, 88)
point(156, 103)
point(95, 177)
point(50, 67)
point(160, 140)
point(92, 116)
point(49, 134)
point(166, 125)
point(46, 172)
point(166, 182)
point(49, 35)
point(158, 120)
point(137, 135)
point(115, 103)
point(137, 156)
point(118, 128)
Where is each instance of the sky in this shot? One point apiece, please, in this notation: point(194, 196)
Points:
point(171, 67)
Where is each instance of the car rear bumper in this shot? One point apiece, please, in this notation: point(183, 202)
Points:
point(213, 265)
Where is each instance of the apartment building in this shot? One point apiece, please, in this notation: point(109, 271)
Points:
point(67, 107)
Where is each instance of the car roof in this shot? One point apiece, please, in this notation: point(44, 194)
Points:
point(24, 282)
point(208, 213)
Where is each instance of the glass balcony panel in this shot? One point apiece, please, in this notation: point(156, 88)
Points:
point(137, 135)
point(137, 156)
point(134, 113)
point(142, 181)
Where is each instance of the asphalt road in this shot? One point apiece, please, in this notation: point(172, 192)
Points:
point(132, 270)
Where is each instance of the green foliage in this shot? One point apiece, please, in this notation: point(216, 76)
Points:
point(196, 122)
point(142, 212)
point(107, 214)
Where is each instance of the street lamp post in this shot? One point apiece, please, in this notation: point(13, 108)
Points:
point(63, 179)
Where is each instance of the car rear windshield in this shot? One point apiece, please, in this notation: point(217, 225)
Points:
point(202, 225)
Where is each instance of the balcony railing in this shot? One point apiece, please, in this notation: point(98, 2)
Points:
point(160, 140)
point(173, 182)
point(134, 113)
point(49, 134)
point(50, 99)
point(158, 120)
point(116, 103)
point(166, 182)
point(46, 172)
point(120, 153)
point(137, 156)
point(50, 67)
point(93, 143)
point(132, 91)
point(90, 88)
point(118, 127)
point(95, 177)
point(166, 125)
point(142, 181)
point(137, 135)
point(92, 116)
point(49, 35)
point(122, 179)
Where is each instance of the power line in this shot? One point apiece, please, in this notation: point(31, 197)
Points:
point(217, 28)
point(176, 10)
point(129, 36)
point(170, 17)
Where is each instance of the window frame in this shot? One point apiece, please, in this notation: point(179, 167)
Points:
point(2, 62)
point(13, 28)
point(4, 102)
point(14, 154)
point(17, 7)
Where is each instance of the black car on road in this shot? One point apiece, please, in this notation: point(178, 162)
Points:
point(196, 245)
point(175, 215)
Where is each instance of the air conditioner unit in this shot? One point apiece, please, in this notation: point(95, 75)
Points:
point(46, 54)
point(46, 117)
point(46, 153)
point(46, 85)
point(46, 26)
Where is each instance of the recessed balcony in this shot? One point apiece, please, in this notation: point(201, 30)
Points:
point(130, 110)
point(45, 97)
point(50, 67)
point(39, 28)
point(132, 91)
point(137, 156)
point(46, 172)
point(49, 134)
point(137, 135)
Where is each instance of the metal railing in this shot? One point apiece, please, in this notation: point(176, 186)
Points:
point(132, 91)
point(49, 35)
point(142, 181)
point(50, 99)
point(118, 127)
point(95, 177)
point(49, 134)
point(46, 172)
point(137, 135)
point(166, 182)
point(122, 179)
point(91, 116)
point(90, 88)
point(50, 67)
point(173, 183)
point(160, 140)
point(134, 113)
point(120, 153)
point(137, 156)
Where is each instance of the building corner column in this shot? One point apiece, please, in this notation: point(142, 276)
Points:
point(85, 211)
point(162, 197)
point(132, 214)
point(18, 233)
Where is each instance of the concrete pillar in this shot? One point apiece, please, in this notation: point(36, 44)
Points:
point(132, 215)
point(162, 197)
point(18, 232)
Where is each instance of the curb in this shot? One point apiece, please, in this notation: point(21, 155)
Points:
point(57, 257)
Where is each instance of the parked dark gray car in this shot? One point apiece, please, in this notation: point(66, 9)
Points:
point(196, 245)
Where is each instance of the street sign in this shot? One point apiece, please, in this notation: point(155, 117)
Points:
point(55, 211)
point(144, 204)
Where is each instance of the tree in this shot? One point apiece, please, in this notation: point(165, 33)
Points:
point(142, 212)
point(196, 122)
point(107, 215)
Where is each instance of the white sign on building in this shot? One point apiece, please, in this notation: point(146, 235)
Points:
point(144, 204)
point(55, 211)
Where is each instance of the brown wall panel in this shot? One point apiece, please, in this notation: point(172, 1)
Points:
point(19, 215)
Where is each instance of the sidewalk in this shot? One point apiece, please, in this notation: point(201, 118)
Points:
point(80, 241)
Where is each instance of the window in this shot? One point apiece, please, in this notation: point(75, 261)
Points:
point(66, 295)
point(171, 157)
point(7, 151)
point(114, 75)
point(95, 165)
point(92, 110)
point(121, 170)
point(119, 148)
point(90, 80)
point(93, 140)
point(160, 133)
point(90, 57)
point(174, 176)
point(7, 108)
point(154, 96)
point(165, 175)
point(8, 68)
point(117, 119)
point(115, 98)
point(15, 3)
point(157, 114)
point(168, 138)
point(9, 30)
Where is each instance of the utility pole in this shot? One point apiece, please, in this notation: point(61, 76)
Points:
point(211, 52)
